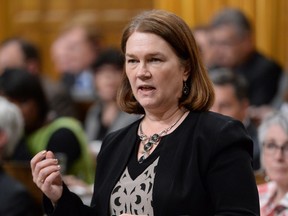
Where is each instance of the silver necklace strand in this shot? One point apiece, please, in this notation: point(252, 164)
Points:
point(152, 140)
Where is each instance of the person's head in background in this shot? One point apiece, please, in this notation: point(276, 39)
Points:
point(203, 39)
point(273, 137)
point(25, 90)
point(19, 53)
point(232, 37)
point(11, 127)
point(230, 93)
point(231, 99)
point(77, 45)
point(108, 70)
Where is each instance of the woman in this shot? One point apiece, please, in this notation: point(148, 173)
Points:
point(179, 159)
point(273, 135)
point(63, 135)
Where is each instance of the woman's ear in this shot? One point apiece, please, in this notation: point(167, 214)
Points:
point(186, 73)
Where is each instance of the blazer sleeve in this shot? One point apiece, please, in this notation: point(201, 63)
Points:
point(230, 178)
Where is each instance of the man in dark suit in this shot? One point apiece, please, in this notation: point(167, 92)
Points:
point(231, 99)
point(233, 42)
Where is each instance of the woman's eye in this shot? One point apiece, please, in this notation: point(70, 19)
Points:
point(271, 145)
point(155, 60)
point(132, 61)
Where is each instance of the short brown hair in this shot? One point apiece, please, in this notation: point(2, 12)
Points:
point(179, 36)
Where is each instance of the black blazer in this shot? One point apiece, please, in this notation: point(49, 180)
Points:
point(263, 77)
point(14, 197)
point(204, 169)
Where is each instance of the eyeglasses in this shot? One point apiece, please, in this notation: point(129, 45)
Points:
point(271, 148)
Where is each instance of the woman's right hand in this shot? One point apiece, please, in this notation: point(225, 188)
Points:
point(46, 175)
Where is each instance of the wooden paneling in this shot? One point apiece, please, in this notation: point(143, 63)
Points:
point(269, 18)
point(40, 20)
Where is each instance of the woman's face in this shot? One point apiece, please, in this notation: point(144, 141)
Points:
point(154, 72)
point(275, 160)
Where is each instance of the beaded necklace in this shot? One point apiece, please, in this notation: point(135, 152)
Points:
point(152, 140)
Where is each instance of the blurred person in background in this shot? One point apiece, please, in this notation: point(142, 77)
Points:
point(73, 52)
point(105, 115)
point(63, 135)
point(273, 136)
point(203, 39)
point(281, 100)
point(235, 47)
point(231, 99)
point(284, 104)
point(17, 52)
point(14, 197)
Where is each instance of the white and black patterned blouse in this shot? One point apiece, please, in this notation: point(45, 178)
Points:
point(133, 192)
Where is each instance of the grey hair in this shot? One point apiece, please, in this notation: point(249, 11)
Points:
point(274, 118)
point(232, 17)
point(11, 123)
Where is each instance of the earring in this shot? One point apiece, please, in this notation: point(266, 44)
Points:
point(186, 90)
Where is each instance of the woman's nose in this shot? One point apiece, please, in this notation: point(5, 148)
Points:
point(279, 154)
point(143, 71)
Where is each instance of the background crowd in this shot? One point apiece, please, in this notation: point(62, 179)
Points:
point(72, 115)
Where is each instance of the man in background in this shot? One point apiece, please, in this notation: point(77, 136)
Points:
point(73, 52)
point(234, 44)
point(202, 35)
point(231, 99)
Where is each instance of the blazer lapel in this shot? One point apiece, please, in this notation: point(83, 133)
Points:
point(117, 159)
point(170, 157)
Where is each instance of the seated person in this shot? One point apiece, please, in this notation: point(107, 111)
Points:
point(63, 135)
point(73, 51)
point(203, 39)
point(273, 136)
point(231, 99)
point(233, 41)
point(105, 115)
point(14, 197)
point(20, 53)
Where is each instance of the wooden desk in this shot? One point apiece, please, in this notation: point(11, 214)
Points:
point(259, 177)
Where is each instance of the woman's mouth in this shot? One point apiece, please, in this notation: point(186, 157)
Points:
point(146, 88)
